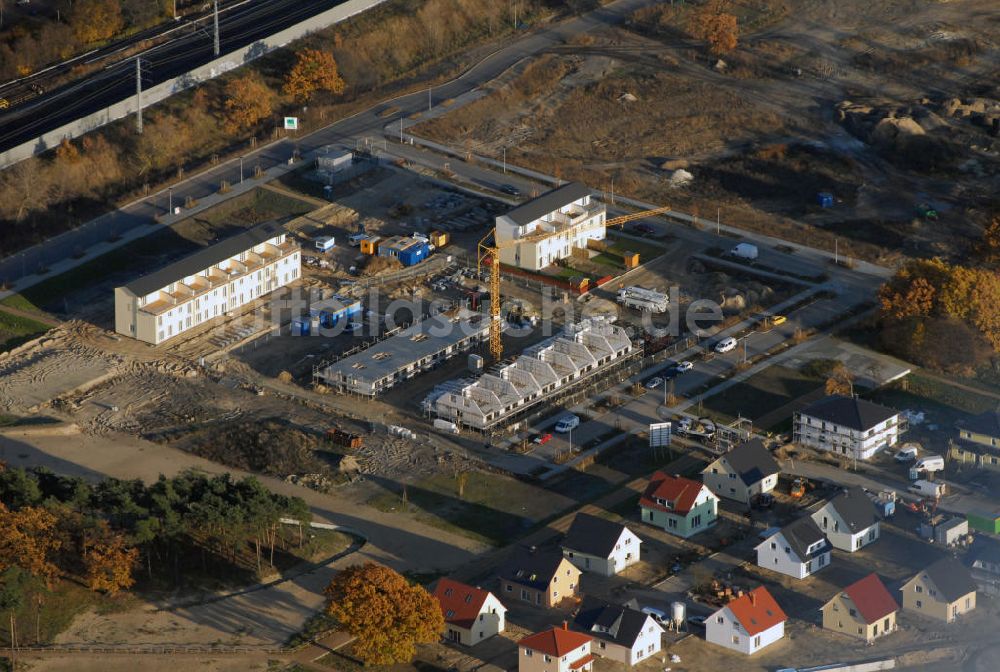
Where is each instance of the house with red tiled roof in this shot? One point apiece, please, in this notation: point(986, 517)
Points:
point(471, 614)
point(555, 650)
point(678, 505)
point(748, 623)
point(865, 609)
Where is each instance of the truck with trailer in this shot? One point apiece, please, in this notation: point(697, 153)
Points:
point(645, 300)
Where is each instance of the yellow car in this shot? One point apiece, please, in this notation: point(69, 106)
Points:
point(4, 104)
point(778, 319)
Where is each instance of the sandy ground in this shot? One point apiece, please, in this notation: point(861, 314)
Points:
point(82, 662)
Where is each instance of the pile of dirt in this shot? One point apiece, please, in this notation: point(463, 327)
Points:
point(907, 135)
point(379, 265)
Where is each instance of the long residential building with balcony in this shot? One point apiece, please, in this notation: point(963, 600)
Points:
point(542, 230)
point(545, 369)
point(211, 282)
point(848, 426)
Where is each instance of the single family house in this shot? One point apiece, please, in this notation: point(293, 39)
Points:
point(678, 505)
point(470, 614)
point(945, 591)
point(599, 545)
point(799, 549)
point(747, 624)
point(543, 578)
point(555, 650)
point(621, 633)
point(747, 470)
point(848, 519)
point(865, 609)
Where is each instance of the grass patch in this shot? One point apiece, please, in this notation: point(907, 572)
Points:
point(645, 249)
point(40, 622)
point(944, 402)
point(761, 394)
point(493, 509)
point(17, 329)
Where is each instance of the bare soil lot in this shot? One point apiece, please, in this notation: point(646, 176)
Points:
point(881, 105)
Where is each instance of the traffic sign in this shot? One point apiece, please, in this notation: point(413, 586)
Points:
point(291, 123)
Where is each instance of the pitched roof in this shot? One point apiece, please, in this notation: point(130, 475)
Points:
point(460, 603)
point(849, 412)
point(752, 461)
point(987, 423)
point(983, 550)
point(872, 599)
point(951, 578)
point(548, 202)
point(855, 508)
point(593, 535)
point(614, 623)
point(757, 611)
point(533, 569)
point(803, 533)
point(555, 641)
point(682, 492)
point(204, 258)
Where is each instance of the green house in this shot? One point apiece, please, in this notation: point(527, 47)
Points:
point(678, 505)
point(984, 521)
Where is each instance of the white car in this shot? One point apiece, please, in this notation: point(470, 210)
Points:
point(658, 615)
point(654, 383)
point(567, 423)
point(685, 366)
point(907, 454)
point(725, 345)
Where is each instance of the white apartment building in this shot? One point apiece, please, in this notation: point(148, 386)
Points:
point(541, 370)
point(848, 426)
point(547, 228)
point(209, 283)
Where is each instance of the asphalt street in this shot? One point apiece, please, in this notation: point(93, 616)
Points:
point(192, 46)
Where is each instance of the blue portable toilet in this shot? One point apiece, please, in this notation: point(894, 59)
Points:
point(825, 199)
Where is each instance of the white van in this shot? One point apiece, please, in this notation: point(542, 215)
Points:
point(567, 423)
point(745, 251)
point(355, 238)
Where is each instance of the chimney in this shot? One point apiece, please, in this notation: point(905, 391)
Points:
point(753, 598)
point(565, 625)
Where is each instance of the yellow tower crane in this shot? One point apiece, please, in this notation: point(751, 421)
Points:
point(489, 255)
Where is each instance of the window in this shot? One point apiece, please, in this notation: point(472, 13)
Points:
point(919, 604)
point(736, 639)
point(527, 653)
point(853, 612)
point(774, 546)
point(720, 619)
point(510, 588)
point(918, 588)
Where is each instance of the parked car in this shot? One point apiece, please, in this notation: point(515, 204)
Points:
point(696, 621)
point(684, 367)
point(510, 189)
point(567, 423)
point(778, 319)
point(725, 345)
point(907, 454)
point(654, 383)
point(764, 500)
point(658, 615)
point(542, 439)
point(644, 229)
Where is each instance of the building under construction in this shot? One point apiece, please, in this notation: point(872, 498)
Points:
point(418, 348)
point(583, 355)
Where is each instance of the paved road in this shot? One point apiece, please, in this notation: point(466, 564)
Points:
point(190, 47)
point(362, 124)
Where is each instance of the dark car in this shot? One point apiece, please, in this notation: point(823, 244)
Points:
point(510, 189)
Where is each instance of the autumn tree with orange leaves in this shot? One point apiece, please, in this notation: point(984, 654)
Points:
point(314, 70)
point(29, 541)
point(386, 614)
point(108, 560)
point(989, 246)
point(942, 315)
point(248, 100)
point(840, 381)
point(716, 26)
point(96, 20)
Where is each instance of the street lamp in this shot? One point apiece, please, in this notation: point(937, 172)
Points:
point(170, 200)
point(241, 170)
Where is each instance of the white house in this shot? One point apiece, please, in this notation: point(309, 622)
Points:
point(599, 545)
point(209, 283)
point(547, 228)
point(621, 633)
point(848, 426)
point(555, 650)
point(799, 549)
point(747, 470)
point(748, 623)
point(470, 614)
point(848, 520)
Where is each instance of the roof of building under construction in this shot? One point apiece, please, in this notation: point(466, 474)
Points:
point(419, 340)
point(548, 202)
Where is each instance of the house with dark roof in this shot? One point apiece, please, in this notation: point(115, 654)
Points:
point(848, 426)
point(471, 614)
point(747, 624)
point(547, 228)
point(799, 549)
point(848, 519)
point(210, 283)
point(555, 650)
point(621, 633)
point(978, 442)
point(678, 505)
point(598, 545)
point(747, 470)
point(542, 577)
point(944, 591)
point(865, 609)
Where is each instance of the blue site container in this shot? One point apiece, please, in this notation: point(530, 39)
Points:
point(300, 326)
point(413, 254)
point(825, 199)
